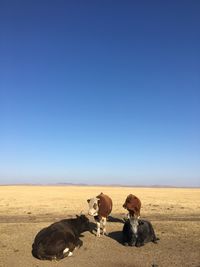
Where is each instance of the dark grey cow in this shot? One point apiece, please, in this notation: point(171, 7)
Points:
point(138, 232)
point(59, 239)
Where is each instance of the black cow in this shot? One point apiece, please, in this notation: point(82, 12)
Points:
point(138, 232)
point(59, 239)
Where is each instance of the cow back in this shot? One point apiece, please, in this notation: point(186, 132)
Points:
point(105, 205)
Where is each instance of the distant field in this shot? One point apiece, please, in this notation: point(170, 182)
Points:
point(174, 213)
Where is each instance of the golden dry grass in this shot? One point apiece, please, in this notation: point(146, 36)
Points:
point(175, 214)
point(72, 199)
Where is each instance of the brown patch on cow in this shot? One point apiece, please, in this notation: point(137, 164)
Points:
point(105, 205)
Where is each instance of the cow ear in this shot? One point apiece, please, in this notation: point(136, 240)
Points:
point(124, 219)
point(88, 200)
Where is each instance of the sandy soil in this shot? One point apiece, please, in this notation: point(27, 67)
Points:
point(174, 213)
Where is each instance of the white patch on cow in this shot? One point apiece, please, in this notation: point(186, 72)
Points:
point(65, 250)
point(70, 254)
point(104, 225)
point(98, 229)
point(134, 225)
point(93, 206)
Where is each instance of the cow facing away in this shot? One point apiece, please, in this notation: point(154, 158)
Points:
point(133, 205)
point(100, 207)
point(138, 232)
point(59, 239)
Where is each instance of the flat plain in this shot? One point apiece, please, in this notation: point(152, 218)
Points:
point(174, 213)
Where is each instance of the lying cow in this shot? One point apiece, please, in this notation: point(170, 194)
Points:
point(100, 207)
point(59, 239)
point(138, 232)
point(133, 205)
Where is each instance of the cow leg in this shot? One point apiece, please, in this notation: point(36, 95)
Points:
point(66, 253)
point(139, 244)
point(104, 225)
point(78, 243)
point(98, 229)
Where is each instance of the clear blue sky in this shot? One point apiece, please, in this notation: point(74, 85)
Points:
point(100, 92)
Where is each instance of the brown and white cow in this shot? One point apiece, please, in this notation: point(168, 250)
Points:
point(133, 205)
point(100, 207)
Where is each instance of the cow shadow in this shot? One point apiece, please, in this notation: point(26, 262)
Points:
point(114, 235)
point(117, 236)
point(115, 219)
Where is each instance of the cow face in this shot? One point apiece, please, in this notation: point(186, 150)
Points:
point(134, 225)
point(130, 232)
point(93, 206)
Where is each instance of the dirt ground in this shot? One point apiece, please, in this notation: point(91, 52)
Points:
point(174, 213)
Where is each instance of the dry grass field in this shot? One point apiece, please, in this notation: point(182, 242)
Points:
point(174, 213)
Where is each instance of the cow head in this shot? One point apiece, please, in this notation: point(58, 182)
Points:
point(84, 223)
point(134, 225)
point(93, 206)
point(131, 231)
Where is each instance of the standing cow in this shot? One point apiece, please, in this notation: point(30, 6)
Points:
point(59, 239)
point(100, 207)
point(133, 205)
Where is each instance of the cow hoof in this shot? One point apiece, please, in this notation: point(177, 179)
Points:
point(54, 259)
point(126, 244)
point(70, 254)
point(139, 245)
point(65, 250)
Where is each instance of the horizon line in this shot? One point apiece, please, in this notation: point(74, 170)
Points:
point(104, 185)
